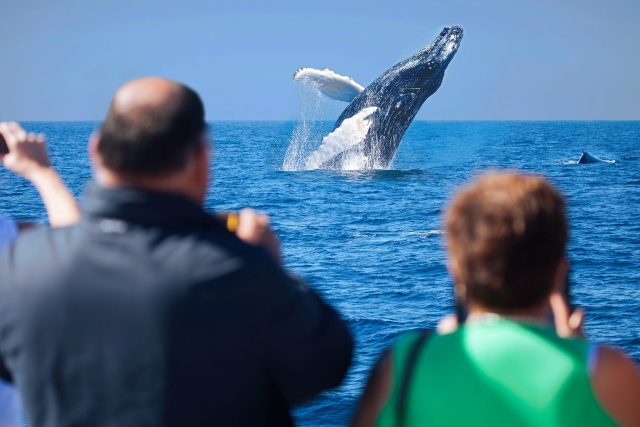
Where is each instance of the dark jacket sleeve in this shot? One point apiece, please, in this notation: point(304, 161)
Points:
point(309, 347)
point(5, 374)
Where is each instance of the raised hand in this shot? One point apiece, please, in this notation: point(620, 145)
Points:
point(28, 158)
point(27, 151)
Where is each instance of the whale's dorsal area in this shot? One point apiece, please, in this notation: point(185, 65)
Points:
point(335, 86)
point(351, 132)
point(588, 158)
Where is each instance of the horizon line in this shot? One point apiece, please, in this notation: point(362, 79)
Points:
point(333, 120)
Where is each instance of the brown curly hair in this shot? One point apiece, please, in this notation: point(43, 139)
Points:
point(507, 232)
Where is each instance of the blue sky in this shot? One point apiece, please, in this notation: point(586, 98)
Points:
point(519, 60)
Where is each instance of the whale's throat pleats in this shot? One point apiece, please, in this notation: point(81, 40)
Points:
point(351, 133)
point(333, 85)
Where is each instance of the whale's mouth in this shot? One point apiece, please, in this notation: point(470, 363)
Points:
point(434, 59)
point(446, 45)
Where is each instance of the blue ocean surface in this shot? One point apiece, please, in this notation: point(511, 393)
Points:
point(371, 242)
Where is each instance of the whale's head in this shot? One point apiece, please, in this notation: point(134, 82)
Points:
point(423, 71)
point(398, 94)
point(401, 90)
point(438, 54)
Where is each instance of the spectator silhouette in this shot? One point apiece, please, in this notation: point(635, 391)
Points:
point(149, 311)
point(26, 155)
point(505, 364)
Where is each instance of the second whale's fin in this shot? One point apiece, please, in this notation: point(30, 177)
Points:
point(590, 158)
point(329, 83)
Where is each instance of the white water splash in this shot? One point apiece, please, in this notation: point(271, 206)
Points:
point(307, 132)
point(351, 132)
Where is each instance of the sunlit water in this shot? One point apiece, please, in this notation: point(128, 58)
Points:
point(370, 242)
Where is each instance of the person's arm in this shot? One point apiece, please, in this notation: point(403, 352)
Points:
point(376, 392)
point(309, 347)
point(615, 379)
point(28, 158)
point(616, 384)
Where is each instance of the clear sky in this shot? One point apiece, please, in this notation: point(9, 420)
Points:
point(520, 60)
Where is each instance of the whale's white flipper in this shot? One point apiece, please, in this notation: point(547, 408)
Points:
point(351, 132)
point(331, 84)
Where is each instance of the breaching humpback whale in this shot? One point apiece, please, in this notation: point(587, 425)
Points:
point(368, 132)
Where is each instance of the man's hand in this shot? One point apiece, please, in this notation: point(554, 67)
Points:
point(27, 151)
point(254, 229)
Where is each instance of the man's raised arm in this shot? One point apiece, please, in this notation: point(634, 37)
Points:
point(28, 158)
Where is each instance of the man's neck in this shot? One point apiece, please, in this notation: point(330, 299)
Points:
point(172, 184)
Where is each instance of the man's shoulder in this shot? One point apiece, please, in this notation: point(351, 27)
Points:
point(214, 254)
point(36, 247)
point(46, 238)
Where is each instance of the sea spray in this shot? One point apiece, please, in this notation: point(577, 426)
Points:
point(307, 133)
point(351, 133)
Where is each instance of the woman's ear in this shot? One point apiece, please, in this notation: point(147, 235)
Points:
point(454, 270)
point(560, 275)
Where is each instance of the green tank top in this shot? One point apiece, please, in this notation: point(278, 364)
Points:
point(495, 373)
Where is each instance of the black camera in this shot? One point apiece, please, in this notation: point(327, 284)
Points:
point(3, 146)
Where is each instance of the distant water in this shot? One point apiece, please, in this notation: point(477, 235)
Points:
point(371, 243)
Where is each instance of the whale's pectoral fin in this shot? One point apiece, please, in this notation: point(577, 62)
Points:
point(351, 132)
point(329, 83)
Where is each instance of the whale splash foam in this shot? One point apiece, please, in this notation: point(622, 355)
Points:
point(350, 133)
point(308, 131)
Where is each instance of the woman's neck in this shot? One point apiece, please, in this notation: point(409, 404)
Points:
point(538, 314)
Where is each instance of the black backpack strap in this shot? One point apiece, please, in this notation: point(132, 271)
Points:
point(406, 377)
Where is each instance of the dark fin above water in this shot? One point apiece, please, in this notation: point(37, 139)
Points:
point(588, 158)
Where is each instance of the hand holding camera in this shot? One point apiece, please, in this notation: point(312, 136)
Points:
point(21, 152)
point(26, 155)
point(254, 228)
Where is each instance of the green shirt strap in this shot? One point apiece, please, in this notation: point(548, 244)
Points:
point(406, 376)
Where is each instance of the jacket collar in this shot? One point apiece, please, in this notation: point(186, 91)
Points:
point(147, 208)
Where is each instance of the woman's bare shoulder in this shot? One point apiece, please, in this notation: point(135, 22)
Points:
point(616, 384)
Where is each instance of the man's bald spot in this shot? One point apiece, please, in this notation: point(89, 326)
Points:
point(147, 95)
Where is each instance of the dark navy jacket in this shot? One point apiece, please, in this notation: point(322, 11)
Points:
point(150, 313)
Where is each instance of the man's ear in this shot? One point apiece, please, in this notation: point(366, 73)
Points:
point(199, 172)
point(92, 147)
point(202, 155)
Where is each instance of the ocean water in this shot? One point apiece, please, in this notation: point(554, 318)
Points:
point(371, 242)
